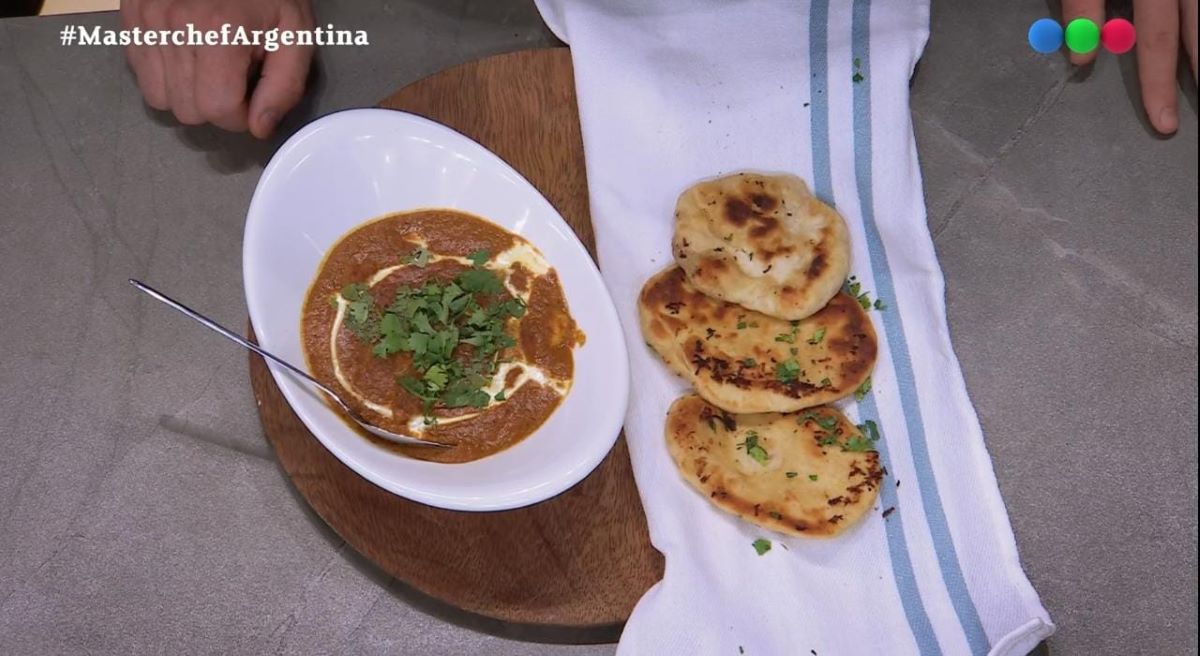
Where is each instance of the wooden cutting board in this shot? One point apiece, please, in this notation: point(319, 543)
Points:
point(579, 560)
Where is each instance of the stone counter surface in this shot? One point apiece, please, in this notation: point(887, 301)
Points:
point(142, 511)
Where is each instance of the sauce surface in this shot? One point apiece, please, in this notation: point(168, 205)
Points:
point(529, 378)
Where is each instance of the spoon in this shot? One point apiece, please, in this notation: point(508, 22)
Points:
point(228, 334)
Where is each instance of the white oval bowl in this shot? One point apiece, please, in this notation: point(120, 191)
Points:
point(347, 168)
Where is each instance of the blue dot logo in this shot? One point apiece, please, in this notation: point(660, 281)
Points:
point(1046, 35)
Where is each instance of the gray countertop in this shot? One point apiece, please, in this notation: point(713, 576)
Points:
point(141, 510)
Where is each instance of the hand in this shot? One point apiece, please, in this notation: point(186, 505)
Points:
point(208, 84)
point(1158, 24)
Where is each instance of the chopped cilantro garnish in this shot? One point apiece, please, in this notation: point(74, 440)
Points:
point(480, 281)
point(753, 449)
point(792, 474)
point(452, 330)
point(356, 292)
point(419, 257)
point(861, 392)
point(868, 435)
point(500, 396)
point(880, 305)
point(855, 289)
point(829, 424)
point(787, 371)
point(479, 258)
point(359, 303)
point(790, 336)
point(750, 362)
point(358, 310)
point(817, 336)
point(761, 546)
point(858, 443)
point(759, 454)
point(741, 325)
point(825, 382)
point(857, 77)
point(812, 477)
point(436, 377)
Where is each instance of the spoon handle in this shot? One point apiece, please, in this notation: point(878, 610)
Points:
point(228, 334)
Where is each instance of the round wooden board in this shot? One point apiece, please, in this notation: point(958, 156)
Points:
point(581, 559)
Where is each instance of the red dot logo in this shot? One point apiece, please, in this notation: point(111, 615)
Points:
point(1118, 36)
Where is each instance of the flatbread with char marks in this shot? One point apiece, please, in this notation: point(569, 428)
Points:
point(763, 242)
point(745, 361)
point(811, 473)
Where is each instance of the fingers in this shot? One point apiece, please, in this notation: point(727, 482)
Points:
point(1157, 48)
point(147, 65)
point(220, 86)
point(1188, 14)
point(180, 65)
point(283, 75)
point(166, 72)
point(146, 61)
point(203, 83)
point(1092, 10)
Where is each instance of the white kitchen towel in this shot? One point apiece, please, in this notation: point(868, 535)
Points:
point(673, 91)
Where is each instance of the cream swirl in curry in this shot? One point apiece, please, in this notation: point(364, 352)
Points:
point(440, 324)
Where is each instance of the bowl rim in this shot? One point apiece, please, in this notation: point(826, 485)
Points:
point(618, 374)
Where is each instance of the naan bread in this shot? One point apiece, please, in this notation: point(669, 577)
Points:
point(745, 361)
point(810, 473)
point(763, 242)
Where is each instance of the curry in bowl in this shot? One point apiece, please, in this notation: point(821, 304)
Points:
point(439, 324)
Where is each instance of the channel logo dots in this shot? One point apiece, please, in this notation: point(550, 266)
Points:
point(1082, 36)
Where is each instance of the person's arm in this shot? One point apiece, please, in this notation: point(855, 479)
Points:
point(210, 84)
point(1159, 24)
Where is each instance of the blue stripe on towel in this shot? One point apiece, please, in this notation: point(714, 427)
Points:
point(902, 569)
point(943, 543)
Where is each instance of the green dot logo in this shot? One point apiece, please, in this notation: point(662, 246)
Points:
point(1082, 36)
